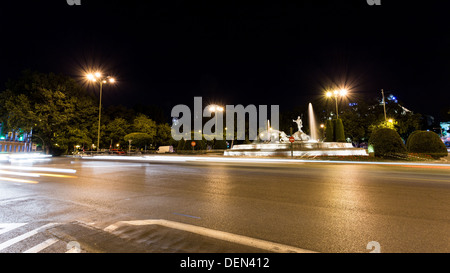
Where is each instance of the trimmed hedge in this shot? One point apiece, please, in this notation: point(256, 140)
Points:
point(411, 136)
point(329, 133)
point(387, 143)
point(339, 135)
point(220, 144)
point(426, 143)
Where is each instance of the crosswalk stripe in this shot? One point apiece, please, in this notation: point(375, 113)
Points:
point(5, 227)
point(41, 246)
point(25, 236)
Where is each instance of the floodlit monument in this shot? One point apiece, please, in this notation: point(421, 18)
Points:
point(278, 143)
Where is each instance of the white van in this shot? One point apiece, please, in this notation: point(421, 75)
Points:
point(164, 149)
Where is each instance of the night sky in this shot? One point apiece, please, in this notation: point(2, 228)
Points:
point(260, 52)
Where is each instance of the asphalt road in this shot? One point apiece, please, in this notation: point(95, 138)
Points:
point(106, 206)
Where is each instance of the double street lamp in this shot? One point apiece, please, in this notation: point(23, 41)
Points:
point(336, 94)
point(215, 109)
point(97, 77)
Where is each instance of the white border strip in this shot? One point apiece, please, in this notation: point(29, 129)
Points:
point(216, 234)
point(5, 227)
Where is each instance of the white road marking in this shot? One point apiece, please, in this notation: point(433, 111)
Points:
point(5, 227)
point(41, 246)
point(216, 234)
point(25, 236)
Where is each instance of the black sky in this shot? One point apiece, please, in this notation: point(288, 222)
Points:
point(237, 52)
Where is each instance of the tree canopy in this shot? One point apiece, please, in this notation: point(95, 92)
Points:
point(64, 114)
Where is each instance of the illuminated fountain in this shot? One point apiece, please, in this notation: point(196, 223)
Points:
point(278, 144)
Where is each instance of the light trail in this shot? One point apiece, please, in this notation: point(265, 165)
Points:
point(19, 173)
point(255, 160)
point(56, 175)
point(41, 169)
point(10, 179)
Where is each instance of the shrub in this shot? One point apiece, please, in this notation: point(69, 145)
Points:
point(426, 143)
point(387, 143)
point(329, 135)
point(220, 144)
point(339, 134)
point(411, 136)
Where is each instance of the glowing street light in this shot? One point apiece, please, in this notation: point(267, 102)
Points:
point(97, 77)
point(215, 108)
point(336, 94)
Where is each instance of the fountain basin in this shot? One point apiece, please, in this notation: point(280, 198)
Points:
point(300, 148)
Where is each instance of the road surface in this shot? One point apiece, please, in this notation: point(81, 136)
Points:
point(77, 205)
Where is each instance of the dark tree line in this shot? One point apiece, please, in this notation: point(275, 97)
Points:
point(62, 114)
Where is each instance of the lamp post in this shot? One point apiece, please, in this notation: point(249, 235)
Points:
point(384, 105)
point(97, 77)
point(335, 94)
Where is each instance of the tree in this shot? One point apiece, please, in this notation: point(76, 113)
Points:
point(355, 125)
point(163, 135)
point(116, 130)
point(155, 112)
point(181, 144)
point(56, 107)
point(16, 112)
point(144, 124)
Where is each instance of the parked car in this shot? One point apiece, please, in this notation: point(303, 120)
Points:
point(116, 151)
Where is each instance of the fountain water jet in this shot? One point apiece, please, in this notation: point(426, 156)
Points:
point(312, 124)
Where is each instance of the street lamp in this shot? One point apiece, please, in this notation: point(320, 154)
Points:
point(97, 77)
point(215, 108)
point(336, 94)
